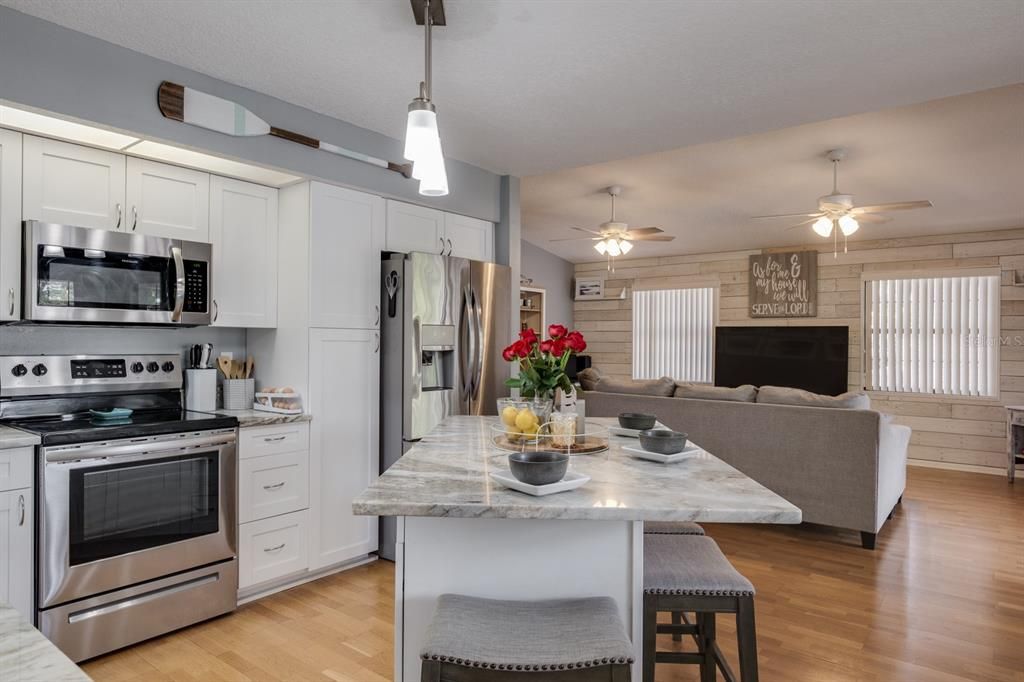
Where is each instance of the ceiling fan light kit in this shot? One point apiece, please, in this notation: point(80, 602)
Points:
point(838, 213)
point(422, 139)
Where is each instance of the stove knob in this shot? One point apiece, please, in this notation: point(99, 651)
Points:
point(39, 370)
point(137, 367)
point(152, 367)
point(19, 370)
point(168, 367)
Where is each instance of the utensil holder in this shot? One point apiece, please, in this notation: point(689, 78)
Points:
point(239, 394)
point(201, 390)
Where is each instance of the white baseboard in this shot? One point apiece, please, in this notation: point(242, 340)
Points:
point(261, 591)
point(953, 466)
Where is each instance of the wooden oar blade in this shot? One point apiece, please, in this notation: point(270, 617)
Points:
point(191, 106)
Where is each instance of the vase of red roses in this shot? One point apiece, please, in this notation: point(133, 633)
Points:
point(542, 362)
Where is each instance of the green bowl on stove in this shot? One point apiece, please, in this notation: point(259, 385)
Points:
point(112, 413)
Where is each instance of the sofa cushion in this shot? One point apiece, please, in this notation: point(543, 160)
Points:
point(742, 394)
point(588, 378)
point(780, 395)
point(591, 380)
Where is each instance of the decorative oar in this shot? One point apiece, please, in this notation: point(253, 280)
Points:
point(197, 108)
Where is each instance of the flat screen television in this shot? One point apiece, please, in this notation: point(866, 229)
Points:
point(812, 358)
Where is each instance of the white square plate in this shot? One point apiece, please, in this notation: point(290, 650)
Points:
point(690, 450)
point(571, 481)
point(634, 433)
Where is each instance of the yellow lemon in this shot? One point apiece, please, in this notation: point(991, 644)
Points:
point(525, 419)
point(533, 429)
point(508, 415)
point(513, 433)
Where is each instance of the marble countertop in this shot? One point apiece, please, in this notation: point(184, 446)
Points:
point(446, 474)
point(27, 656)
point(16, 438)
point(247, 418)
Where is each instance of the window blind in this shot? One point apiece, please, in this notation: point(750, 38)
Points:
point(673, 333)
point(933, 335)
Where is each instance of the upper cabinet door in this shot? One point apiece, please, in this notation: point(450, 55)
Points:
point(10, 225)
point(414, 228)
point(73, 185)
point(243, 231)
point(469, 237)
point(346, 238)
point(167, 201)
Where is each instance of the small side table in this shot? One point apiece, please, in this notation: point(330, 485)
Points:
point(1014, 439)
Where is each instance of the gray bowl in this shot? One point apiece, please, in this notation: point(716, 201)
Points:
point(662, 441)
point(539, 468)
point(637, 421)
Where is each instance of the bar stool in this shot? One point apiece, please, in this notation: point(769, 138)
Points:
point(690, 573)
point(564, 640)
point(672, 528)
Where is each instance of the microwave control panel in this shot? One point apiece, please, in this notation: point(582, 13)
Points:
point(197, 285)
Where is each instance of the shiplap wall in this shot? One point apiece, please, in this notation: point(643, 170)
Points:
point(955, 430)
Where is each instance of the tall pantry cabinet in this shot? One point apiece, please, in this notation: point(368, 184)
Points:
point(327, 345)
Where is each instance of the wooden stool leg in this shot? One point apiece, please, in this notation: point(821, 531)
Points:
point(677, 619)
point(650, 636)
point(746, 639)
point(708, 668)
point(430, 671)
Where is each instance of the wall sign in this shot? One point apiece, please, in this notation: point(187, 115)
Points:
point(784, 284)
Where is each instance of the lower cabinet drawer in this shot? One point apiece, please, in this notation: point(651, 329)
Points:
point(272, 485)
point(272, 548)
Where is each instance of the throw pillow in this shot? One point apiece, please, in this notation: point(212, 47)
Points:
point(741, 394)
point(588, 379)
point(780, 395)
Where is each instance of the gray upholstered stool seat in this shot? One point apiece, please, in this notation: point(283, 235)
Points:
point(689, 573)
point(672, 528)
point(526, 636)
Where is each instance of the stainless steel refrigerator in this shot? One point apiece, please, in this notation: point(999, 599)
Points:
point(444, 323)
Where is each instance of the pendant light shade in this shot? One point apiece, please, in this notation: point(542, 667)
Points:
point(601, 247)
point(422, 139)
point(823, 226)
point(849, 225)
point(625, 246)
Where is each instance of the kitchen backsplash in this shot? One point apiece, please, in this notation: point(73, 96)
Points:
point(47, 340)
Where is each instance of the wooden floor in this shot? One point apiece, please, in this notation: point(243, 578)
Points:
point(942, 598)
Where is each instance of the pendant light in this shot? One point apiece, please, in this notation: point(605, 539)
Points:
point(422, 140)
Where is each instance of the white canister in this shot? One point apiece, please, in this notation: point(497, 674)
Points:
point(201, 390)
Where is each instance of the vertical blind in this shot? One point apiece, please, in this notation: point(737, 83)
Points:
point(673, 332)
point(933, 335)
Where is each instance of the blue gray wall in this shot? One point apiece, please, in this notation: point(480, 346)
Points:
point(554, 274)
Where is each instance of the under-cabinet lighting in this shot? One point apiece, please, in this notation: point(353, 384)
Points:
point(214, 164)
point(31, 122)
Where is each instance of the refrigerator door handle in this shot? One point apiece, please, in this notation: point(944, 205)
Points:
point(479, 347)
point(466, 352)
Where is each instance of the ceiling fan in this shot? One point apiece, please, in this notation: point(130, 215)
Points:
point(837, 213)
point(614, 238)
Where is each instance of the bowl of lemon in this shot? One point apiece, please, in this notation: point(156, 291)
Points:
point(522, 419)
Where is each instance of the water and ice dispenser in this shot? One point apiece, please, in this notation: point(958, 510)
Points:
point(437, 361)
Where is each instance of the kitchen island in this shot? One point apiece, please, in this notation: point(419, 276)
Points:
point(458, 531)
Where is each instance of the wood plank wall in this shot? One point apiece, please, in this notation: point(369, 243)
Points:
point(953, 430)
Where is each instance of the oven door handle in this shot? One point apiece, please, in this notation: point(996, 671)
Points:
point(179, 283)
point(134, 450)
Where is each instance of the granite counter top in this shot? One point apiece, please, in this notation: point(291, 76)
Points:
point(446, 474)
point(16, 438)
point(247, 418)
point(27, 656)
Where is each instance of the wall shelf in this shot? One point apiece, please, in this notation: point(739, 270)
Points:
point(533, 314)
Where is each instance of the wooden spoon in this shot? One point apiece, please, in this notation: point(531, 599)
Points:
point(225, 367)
point(250, 364)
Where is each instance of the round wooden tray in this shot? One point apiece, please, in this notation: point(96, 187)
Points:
point(584, 445)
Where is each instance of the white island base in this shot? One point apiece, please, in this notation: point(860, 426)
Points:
point(518, 559)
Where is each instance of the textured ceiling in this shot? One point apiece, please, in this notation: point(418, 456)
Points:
point(965, 154)
point(526, 87)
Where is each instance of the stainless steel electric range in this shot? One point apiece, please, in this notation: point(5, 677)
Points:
point(136, 513)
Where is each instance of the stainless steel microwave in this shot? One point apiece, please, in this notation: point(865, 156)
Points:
point(77, 275)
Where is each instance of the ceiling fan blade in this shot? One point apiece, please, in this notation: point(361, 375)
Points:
point(790, 215)
point(896, 206)
point(871, 218)
point(802, 223)
point(577, 239)
point(637, 232)
point(653, 238)
point(583, 229)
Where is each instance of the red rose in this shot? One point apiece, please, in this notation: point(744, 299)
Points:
point(529, 336)
point(557, 331)
point(576, 342)
point(545, 346)
point(509, 353)
point(558, 347)
point(521, 348)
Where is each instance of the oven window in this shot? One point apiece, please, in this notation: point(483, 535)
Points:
point(87, 278)
point(121, 508)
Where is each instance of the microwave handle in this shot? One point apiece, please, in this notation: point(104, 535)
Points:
point(179, 284)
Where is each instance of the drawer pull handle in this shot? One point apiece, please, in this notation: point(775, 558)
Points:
point(274, 486)
point(21, 510)
point(273, 439)
point(278, 548)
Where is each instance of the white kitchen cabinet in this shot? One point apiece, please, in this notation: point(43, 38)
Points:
point(469, 237)
point(344, 369)
point(16, 529)
point(10, 225)
point(243, 231)
point(272, 548)
point(346, 238)
point(73, 185)
point(414, 228)
point(167, 201)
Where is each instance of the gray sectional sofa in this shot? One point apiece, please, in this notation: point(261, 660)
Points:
point(843, 467)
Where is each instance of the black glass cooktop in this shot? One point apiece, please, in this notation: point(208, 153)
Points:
point(81, 428)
